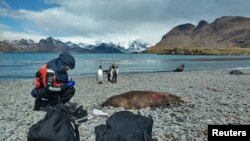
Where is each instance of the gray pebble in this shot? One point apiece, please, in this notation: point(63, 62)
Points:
point(205, 106)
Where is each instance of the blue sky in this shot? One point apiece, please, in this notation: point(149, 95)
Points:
point(34, 5)
point(108, 20)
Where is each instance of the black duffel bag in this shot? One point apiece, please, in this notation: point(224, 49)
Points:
point(58, 125)
point(125, 126)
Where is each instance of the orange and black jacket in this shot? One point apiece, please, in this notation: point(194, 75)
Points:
point(46, 78)
point(52, 75)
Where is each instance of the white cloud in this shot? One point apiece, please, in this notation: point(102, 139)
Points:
point(114, 38)
point(113, 20)
point(4, 27)
point(9, 35)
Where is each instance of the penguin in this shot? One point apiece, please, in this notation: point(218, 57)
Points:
point(100, 75)
point(115, 73)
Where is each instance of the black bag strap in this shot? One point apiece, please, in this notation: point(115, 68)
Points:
point(139, 122)
point(58, 99)
point(65, 109)
point(145, 134)
point(62, 107)
point(144, 131)
point(76, 127)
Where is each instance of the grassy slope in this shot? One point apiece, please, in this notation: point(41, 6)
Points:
point(199, 51)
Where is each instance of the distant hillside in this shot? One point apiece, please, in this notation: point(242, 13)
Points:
point(52, 45)
point(44, 45)
point(226, 35)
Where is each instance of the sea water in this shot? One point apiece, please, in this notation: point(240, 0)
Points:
point(25, 65)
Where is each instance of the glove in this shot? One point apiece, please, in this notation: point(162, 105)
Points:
point(70, 84)
point(35, 93)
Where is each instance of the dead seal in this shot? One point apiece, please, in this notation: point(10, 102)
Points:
point(143, 99)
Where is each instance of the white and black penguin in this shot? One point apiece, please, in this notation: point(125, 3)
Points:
point(100, 75)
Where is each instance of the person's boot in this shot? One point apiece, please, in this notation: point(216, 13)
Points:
point(40, 105)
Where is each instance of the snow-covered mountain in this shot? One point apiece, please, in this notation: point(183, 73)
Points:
point(126, 47)
point(137, 46)
point(71, 45)
point(130, 43)
point(20, 43)
point(52, 45)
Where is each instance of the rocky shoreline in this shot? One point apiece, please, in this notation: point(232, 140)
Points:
point(215, 97)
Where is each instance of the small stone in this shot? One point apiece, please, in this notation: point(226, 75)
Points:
point(201, 132)
point(183, 137)
point(191, 105)
point(177, 129)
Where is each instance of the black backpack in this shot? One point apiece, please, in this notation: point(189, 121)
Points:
point(58, 125)
point(125, 126)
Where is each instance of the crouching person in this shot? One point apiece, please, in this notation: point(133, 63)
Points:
point(52, 84)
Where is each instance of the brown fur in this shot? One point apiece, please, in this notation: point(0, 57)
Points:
point(142, 99)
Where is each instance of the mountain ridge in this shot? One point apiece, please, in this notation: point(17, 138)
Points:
point(54, 45)
point(225, 33)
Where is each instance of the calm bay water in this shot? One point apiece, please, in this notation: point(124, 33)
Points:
point(25, 65)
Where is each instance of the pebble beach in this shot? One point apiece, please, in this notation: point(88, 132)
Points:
point(213, 97)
